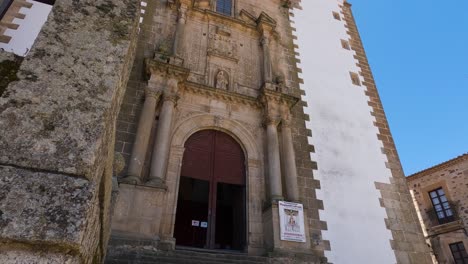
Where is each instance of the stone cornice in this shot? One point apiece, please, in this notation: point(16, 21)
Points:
point(215, 15)
point(224, 95)
point(155, 66)
point(438, 167)
point(278, 97)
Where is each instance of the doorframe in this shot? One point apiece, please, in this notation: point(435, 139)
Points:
point(212, 200)
point(253, 152)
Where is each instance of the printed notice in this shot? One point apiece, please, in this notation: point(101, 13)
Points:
point(204, 224)
point(292, 222)
point(195, 223)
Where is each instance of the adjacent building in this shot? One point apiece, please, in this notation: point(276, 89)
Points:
point(441, 197)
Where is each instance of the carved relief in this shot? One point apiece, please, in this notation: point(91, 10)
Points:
point(195, 52)
point(221, 43)
point(222, 80)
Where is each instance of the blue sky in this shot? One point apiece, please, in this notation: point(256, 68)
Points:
point(418, 51)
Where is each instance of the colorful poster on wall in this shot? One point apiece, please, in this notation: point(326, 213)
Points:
point(292, 222)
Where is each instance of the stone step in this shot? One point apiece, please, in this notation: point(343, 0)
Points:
point(183, 257)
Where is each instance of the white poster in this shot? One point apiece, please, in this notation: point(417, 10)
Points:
point(292, 222)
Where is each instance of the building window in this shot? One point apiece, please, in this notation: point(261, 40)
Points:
point(355, 78)
point(224, 7)
point(459, 253)
point(441, 206)
point(345, 44)
point(336, 16)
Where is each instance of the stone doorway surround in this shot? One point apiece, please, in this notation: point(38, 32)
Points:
point(149, 212)
point(183, 131)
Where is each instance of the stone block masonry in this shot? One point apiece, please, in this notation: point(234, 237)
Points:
point(58, 126)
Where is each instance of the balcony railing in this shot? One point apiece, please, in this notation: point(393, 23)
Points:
point(444, 216)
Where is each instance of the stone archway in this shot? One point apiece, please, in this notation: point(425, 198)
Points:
point(183, 129)
point(211, 197)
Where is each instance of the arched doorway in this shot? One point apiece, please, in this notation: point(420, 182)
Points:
point(211, 200)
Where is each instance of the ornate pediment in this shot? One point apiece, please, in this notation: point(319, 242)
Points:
point(247, 17)
point(265, 19)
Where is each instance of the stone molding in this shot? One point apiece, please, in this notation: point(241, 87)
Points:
point(165, 69)
point(186, 127)
point(223, 95)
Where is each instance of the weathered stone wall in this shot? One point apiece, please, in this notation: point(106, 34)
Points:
point(58, 127)
point(452, 177)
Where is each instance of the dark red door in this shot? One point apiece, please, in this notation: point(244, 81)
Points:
point(211, 204)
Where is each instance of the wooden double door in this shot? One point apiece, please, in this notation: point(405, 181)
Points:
point(211, 202)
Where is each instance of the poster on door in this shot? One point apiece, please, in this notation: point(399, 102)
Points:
point(292, 222)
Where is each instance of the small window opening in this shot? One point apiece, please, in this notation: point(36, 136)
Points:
point(459, 253)
point(345, 44)
point(224, 7)
point(336, 16)
point(355, 78)
point(441, 206)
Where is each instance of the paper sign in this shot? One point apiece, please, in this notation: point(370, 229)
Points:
point(292, 222)
point(204, 224)
point(195, 223)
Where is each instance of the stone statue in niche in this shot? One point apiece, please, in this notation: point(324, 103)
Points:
point(222, 80)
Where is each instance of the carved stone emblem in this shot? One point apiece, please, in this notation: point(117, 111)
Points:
point(221, 44)
point(222, 80)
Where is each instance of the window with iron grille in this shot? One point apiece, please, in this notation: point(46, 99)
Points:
point(224, 7)
point(441, 206)
point(459, 253)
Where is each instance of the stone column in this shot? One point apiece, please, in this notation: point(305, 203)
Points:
point(142, 137)
point(274, 167)
point(163, 136)
point(178, 47)
point(267, 72)
point(292, 189)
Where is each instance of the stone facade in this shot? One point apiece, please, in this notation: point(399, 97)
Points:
point(118, 88)
point(197, 69)
point(452, 178)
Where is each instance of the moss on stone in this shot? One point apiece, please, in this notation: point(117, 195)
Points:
point(8, 70)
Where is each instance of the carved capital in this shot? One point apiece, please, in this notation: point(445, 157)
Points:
point(171, 97)
point(272, 120)
point(152, 93)
point(286, 123)
point(167, 70)
point(265, 41)
point(182, 13)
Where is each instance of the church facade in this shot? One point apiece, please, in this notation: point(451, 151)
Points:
point(217, 143)
point(214, 135)
point(220, 137)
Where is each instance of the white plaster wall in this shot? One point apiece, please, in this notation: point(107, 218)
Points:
point(29, 27)
point(348, 152)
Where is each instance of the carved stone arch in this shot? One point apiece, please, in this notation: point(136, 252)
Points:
point(187, 127)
